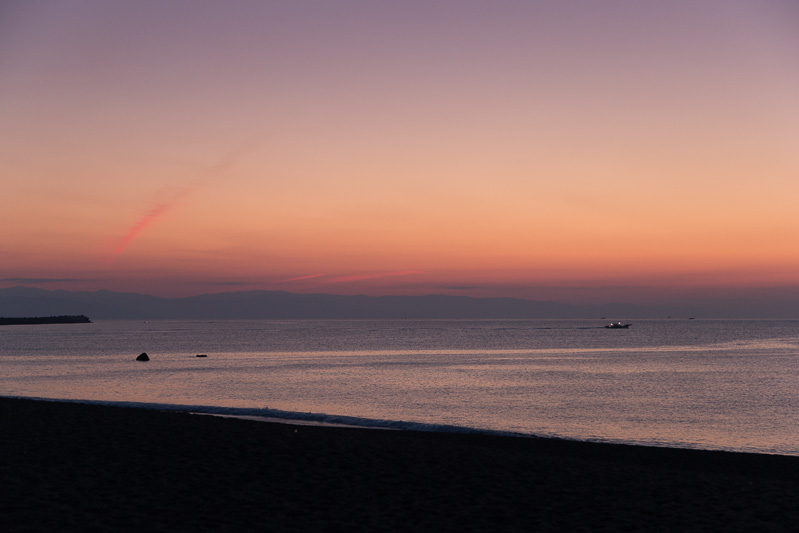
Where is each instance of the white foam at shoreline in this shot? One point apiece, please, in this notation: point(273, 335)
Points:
point(284, 417)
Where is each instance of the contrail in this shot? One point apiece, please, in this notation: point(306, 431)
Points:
point(148, 219)
point(159, 210)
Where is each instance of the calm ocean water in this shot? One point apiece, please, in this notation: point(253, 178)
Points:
point(714, 384)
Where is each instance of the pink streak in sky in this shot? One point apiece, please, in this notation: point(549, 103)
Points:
point(159, 210)
point(149, 218)
point(299, 278)
point(360, 277)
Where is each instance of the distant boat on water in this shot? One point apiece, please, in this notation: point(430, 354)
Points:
point(617, 325)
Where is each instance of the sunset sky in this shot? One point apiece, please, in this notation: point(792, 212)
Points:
point(578, 150)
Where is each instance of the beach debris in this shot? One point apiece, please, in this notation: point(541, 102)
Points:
point(201, 355)
point(143, 357)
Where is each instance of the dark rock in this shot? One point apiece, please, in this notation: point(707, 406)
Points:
point(143, 357)
point(202, 355)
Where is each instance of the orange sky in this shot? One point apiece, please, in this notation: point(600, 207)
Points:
point(576, 151)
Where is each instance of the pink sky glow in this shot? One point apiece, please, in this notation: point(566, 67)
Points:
point(577, 151)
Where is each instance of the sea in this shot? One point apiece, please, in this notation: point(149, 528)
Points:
point(706, 384)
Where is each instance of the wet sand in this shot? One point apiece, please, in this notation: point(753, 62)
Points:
point(73, 467)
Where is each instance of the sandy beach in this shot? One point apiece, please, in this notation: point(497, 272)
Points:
point(74, 467)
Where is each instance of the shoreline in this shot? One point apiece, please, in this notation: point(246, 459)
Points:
point(302, 418)
point(73, 466)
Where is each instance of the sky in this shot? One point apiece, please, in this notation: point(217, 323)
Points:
point(577, 151)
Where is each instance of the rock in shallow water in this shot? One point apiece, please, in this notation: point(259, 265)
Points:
point(143, 357)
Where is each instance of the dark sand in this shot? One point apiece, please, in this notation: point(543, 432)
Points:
point(66, 466)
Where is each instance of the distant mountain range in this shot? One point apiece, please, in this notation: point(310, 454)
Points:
point(25, 301)
point(101, 304)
